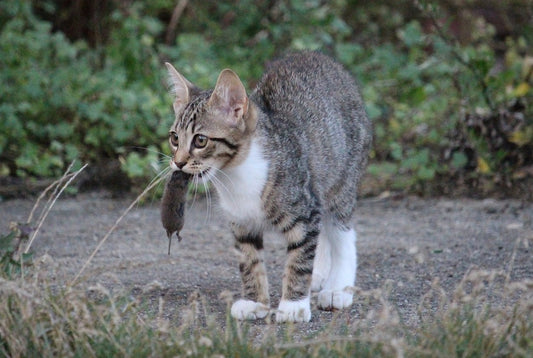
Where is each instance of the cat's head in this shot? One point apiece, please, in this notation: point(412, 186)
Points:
point(213, 128)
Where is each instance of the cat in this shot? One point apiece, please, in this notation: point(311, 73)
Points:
point(288, 157)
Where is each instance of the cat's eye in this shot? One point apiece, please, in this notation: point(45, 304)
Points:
point(173, 136)
point(200, 141)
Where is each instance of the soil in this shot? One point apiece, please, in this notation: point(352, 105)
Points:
point(405, 244)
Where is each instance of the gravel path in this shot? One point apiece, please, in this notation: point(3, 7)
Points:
point(404, 245)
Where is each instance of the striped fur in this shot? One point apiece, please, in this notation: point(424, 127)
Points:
point(251, 266)
point(289, 156)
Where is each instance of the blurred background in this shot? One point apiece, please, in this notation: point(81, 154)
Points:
point(446, 83)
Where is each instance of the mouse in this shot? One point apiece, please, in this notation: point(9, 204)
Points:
point(173, 204)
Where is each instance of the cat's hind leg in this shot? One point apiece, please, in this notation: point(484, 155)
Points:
point(322, 263)
point(337, 290)
point(254, 303)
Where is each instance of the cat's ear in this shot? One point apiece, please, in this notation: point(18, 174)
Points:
point(229, 97)
point(180, 87)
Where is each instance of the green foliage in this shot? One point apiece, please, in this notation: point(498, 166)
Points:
point(11, 261)
point(61, 102)
point(425, 95)
point(434, 102)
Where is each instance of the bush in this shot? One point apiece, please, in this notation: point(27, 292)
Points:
point(61, 102)
point(443, 111)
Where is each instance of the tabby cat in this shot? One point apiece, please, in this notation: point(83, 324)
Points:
point(288, 157)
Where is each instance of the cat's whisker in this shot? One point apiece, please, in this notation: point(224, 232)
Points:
point(161, 175)
point(163, 161)
point(195, 190)
point(220, 186)
point(208, 196)
point(214, 177)
point(218, 171)
point(151, 150)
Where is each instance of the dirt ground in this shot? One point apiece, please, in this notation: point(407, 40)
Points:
point(403, 243)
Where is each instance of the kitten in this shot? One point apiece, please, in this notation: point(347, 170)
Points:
point(287, 157)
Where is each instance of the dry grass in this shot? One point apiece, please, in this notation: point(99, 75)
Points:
point(487, 315)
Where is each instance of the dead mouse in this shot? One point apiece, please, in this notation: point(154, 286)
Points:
point(173, 204)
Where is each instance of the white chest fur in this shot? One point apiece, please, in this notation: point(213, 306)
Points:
point(240, 188)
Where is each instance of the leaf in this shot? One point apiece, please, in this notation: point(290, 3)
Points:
point(134, 165)
point(396, 151)
point(482, 166)
point(27, 258)
point(411, 34)
point(417, 160)
point(522, 89)
point(347, 52)
point(425, 173)
point(482, 65)
point(6, 241)
point(459, 160)
point(518, 137)
point(394, 125)
point(417, 95)
point(522, 137)
point(383, 169)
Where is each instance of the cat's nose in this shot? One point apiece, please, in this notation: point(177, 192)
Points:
point(180, 165)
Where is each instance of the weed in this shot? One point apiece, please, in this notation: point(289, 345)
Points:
point(11, 259)
point(96, 323)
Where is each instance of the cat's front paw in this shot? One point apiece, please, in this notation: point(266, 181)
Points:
point(249, 310)
point(294, 311)
point(329, 300)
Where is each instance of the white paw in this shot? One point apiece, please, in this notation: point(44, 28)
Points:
point(334, 300)
point(294, 311)
point(249, 310)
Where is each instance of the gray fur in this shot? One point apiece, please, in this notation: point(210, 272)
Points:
point(317, 134)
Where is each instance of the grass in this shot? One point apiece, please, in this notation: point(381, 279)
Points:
point(72, 323)
point(486, 315)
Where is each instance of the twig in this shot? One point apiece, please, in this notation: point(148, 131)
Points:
point(176, 14)
point(117, 222)
point(45, 214)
